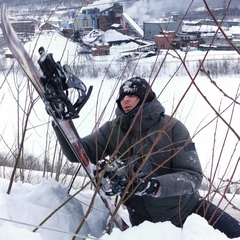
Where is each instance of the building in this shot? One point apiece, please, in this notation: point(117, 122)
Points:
point(93, 18)
point(165, 40)
point(23, 26)
point(47, 26)
point(83, 22)
point(101, 49)
point(109, 16)
point(151, 29)
point(24, 29)
point(87, 20)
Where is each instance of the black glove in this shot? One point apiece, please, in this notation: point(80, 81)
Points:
point(119, 179)
point(150, 186)
point(115, 187)
point(117, 182)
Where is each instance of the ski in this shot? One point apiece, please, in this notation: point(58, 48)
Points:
point(62, 118)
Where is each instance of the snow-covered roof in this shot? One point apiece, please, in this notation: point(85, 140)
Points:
point(113, 35)
point(93, 35)
point(116, 25)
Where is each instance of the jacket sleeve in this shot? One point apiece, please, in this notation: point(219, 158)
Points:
point(64, 145)
point(186, 175)
point(94, 144)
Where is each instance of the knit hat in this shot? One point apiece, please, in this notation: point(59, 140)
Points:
point(136, 86)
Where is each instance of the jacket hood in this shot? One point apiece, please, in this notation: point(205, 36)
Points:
point(150, 113)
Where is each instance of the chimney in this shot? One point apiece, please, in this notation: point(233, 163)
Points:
point(175, 17)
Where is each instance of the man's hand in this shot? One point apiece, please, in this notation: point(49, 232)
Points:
point(119, 179)
point(149, 186)
point(117, 182)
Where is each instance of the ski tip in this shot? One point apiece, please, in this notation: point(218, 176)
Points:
point(3, 12)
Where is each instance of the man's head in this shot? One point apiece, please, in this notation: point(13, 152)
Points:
point(132, 93)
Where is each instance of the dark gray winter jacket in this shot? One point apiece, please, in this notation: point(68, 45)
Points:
point(172, 153)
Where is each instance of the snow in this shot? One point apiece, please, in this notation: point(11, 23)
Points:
point(92, 36)
point(29, 204)
point(111, 35)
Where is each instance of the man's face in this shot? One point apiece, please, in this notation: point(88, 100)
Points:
point(129, 102)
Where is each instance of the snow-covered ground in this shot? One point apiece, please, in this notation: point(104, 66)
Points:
point(30, 203)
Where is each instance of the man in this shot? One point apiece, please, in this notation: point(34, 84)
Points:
point(162, 172)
